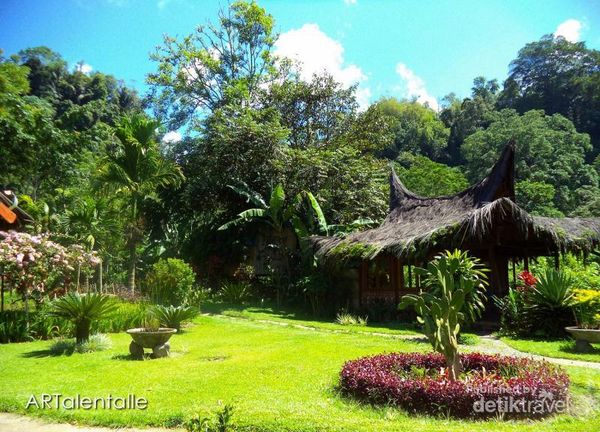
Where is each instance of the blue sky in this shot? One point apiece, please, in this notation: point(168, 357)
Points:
point(423, 49)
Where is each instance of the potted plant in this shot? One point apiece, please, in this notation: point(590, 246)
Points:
point(151, 335)
point(586, 307)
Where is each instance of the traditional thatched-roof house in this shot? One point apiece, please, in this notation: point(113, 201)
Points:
point(11, 216)
point(483, 219)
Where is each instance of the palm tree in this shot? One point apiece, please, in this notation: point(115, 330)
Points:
point(81, 310)
point(136, 169)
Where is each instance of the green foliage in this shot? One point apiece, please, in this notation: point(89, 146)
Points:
point(125, 316)
point(549, 150)
point(456, 293)
point(537, 198)
point(548, 303)
point(427, 178)
point(557, 76)
point(135, 169)
point(416, 129)
point(513, 320)
point(170, 281)
point(347, 319)
point(234, 291)
point(316, 113)
point(82, 310)
point(174, 316)
point(225, 62)
point(220, 423)
point(586, 305)
point(95, 343)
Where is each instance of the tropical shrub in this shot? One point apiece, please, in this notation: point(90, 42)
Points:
point(170, 281)
point(82, 310)
point(219, 422)
point(96, 342)
point(456, 291)
point(419, 382)
point(35, 265)
point(234, 291)
point(18, 326)
point(548, 304)
point(174, 316)
point(125, 315)
point(513, 320)
point(586, 306)
point(346, 318)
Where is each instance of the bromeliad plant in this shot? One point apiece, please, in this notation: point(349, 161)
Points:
point(456, 293)
point(548, 303)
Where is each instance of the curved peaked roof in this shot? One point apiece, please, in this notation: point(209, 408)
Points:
point(482, 215)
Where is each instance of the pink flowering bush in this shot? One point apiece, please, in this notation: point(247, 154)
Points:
point(491, 385)
point(35, 265)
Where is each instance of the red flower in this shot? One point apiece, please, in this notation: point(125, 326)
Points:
point(528, 279)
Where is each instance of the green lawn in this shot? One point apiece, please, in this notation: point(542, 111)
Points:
point(556, 348)
point(278, 378)
point(299, 318)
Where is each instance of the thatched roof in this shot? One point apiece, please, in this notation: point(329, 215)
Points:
point(481, 216)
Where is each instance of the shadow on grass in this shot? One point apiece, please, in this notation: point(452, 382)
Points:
point(129, 357)
point(47, 353)
point(569, 347)
point(291, 313)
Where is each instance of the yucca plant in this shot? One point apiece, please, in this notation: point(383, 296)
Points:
point(174, 316)
point(81, 310)
point(548, 303)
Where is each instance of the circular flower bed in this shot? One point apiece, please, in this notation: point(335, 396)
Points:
point(490, 386)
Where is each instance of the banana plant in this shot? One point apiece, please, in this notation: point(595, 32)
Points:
point(456, 293)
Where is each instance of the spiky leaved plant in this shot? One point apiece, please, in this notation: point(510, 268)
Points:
point(81, 310)
point(455, 294)
point(174, 316)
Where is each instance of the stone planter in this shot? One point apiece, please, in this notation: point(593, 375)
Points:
point(584, 338)
point(157, 340)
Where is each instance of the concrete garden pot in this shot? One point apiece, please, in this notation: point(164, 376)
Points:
point(157, 340)
point(584, 338)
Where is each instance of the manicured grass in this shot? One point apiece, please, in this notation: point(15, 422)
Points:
point(556, 348)
point(298, 318)
point(278, 378)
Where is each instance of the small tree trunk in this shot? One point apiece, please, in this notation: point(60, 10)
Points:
point(131, 270)
point(454, 366)
point(100, 287)
point(2, 293)
point(78, 276)
point(82, 331)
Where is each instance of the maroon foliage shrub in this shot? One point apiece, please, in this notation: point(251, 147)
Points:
point(491, 385)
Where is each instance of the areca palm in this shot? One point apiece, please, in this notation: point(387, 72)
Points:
point(136, 169)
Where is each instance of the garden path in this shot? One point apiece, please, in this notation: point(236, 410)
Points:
point(20, 423)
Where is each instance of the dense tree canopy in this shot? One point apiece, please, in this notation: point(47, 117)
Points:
point(252, 118)
point(550, 152)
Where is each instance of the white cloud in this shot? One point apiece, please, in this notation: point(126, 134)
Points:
point(171, 137)
point(84, 68)
point(316, 52)
point(569, 29)
point(350, 2)
point(414, 87)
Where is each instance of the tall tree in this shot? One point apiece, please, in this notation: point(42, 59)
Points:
point(136, 169)
point(558, 76)
point(220, 63)
point(549, 151)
